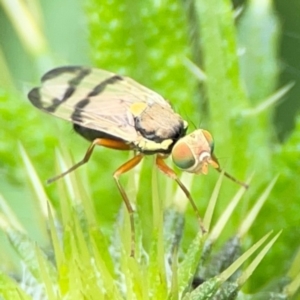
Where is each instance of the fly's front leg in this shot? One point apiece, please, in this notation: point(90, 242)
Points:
point(121, 170)
point(160, 163)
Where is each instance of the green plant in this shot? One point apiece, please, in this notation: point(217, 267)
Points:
point(81, 261)
point(212, 67)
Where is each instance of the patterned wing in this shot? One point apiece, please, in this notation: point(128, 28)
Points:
point(93, 98)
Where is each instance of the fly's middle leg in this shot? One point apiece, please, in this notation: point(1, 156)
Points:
point(121, 170)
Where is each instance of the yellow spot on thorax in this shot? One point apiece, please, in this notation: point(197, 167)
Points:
point(137, 108)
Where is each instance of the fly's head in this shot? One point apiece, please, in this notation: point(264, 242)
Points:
point(194, 152)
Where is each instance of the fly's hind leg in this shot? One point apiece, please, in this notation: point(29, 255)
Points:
point(118, 145)
point(113, 144)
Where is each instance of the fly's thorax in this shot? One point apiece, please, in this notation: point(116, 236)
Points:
point(157, 122)
point(193, 153)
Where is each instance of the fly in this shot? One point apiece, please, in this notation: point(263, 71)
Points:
point(118, 113)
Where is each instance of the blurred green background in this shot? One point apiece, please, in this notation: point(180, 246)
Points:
point(155, 42)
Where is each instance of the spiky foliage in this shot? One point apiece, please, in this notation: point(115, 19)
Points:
point(81, 261)
point(211, 66)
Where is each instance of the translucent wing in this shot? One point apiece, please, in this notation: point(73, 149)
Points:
point(93, 98)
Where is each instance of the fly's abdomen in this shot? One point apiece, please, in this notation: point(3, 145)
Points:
point(92, 134)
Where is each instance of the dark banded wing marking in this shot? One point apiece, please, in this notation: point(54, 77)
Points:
point(72, 84)
point(93, 98)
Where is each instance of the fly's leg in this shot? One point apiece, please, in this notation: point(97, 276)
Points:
point(121, 170)
point(119, 145)
point(216, 165)
point(160, 163)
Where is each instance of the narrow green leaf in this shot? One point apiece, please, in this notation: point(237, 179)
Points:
point(229, 271)
point(38, 187)
point(292, 288)
point(269, 102)
point(258, 36)
point(223, 219)
point(107, 279)
point(250, 218)
point(212, 203)
point(253, 265)
point(25, 25)
point(188, 266)
point(9, 217)
point(205, 291)
point(56, 242)
point(48, 279)
point(9, 289)
point(26, 250)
